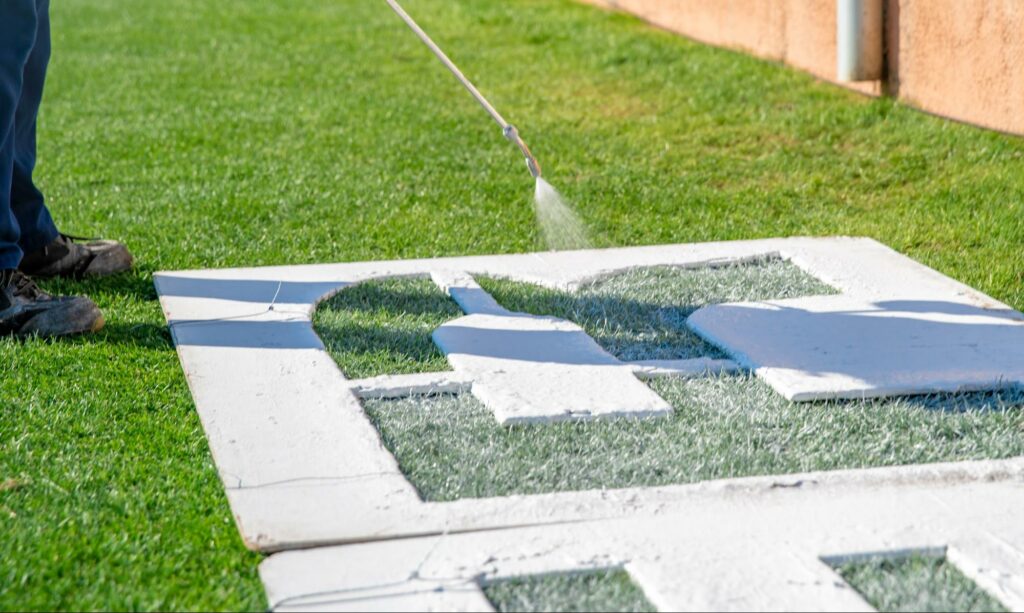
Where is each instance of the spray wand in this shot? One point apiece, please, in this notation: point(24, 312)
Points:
point(507, 129)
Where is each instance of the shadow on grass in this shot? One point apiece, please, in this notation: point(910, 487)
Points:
point(384, 326)
point(408, 296)
point(141, 335)
point(137, 285)
point(367, 339)
point(1009, 398)
point(641, 314)
point(627, 328)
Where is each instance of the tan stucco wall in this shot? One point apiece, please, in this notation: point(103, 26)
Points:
point(963, 59)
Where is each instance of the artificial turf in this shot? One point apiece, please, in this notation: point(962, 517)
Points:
point(212, 134)
point(607, 590)
point(916, 583)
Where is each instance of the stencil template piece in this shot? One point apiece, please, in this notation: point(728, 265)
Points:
point(713, 553)
point(844, 347)
point(303, 466)
point(527, 368)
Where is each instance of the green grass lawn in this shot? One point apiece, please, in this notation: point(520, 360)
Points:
point(210, 134)
point(916, 583)
point(383, 327)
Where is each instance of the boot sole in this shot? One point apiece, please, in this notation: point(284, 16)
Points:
point(79, 316)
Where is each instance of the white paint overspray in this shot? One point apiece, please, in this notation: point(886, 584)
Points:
point(559, 224)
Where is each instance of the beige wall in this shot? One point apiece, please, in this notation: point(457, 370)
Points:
point(963, 59)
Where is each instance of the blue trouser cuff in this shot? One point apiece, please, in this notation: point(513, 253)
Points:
point(43, 234)
point(10, 257)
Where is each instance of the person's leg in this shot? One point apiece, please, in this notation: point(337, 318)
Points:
point(18, 24)
point(37, 227)
point(25, 309)
point(47, 253)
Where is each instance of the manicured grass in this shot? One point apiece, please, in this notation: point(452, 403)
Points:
point(610, 590)
point(113, 499)
point(233, 134)
point(384, 327)
point(916, 583)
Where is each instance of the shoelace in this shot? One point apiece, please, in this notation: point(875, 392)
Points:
point(24, 286)
point(71, 243)
point(77, 239)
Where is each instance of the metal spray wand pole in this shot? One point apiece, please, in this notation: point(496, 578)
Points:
point(507, 129)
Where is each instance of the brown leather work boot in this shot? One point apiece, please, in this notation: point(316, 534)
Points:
point(26, 310)
point(66, 257)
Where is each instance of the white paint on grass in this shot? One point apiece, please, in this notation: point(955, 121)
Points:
point(403, 386)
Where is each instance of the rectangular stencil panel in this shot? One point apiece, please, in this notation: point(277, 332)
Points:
point(277, 410)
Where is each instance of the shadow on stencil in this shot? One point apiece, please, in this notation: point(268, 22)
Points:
point(897, 345)
point(552, 347)
point(946, 308)
point(246, 334)
point(261, 292)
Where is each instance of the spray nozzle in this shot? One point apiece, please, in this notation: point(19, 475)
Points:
point(512, 134)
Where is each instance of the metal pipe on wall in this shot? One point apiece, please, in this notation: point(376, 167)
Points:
point(859, 40)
